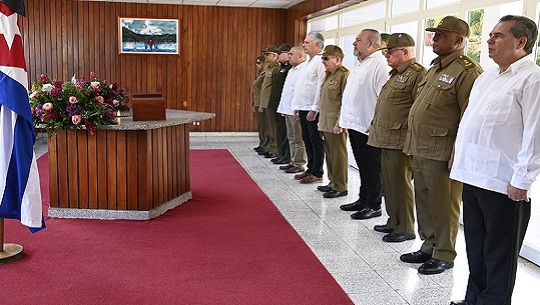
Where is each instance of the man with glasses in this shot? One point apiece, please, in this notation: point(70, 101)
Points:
point(433, 121)
point(388, 132)
point(359, 98)
point(335, 137)
point(498, 158)
point(306, 108)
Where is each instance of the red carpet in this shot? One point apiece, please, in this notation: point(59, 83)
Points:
point(228, 245)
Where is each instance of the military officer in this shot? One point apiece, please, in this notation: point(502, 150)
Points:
point(388, 132)
point(334, 136)
point(262, 148)
point(433, 122)
point(271, 55)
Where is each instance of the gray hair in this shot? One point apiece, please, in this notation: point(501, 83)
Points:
point(374, 37)
point(523, 27)
point(318, 38)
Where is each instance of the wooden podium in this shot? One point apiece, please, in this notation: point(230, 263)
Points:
point(133, 170)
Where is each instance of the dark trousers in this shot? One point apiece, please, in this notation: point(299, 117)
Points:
point(494, 228)
point(281, 137)
point(368, 159)
point(314, 144)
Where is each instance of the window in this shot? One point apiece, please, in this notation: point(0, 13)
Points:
point(324, 24)
point(365, 14)
point(436, 3)
point(402, 7)
point(410, 28)
point(474, 45)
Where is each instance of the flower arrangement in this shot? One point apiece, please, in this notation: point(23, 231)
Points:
point(77, 104)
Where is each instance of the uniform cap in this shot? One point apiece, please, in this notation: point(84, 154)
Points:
point(452, 24)
point(332, 50)
point(397, 40)
point(271, 49)
point(384, 37)
point(284, 48)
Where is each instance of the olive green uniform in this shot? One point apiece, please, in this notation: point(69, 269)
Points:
point(433, 123)
point(261, 120)
point(270, 115)
point(389, 129)
point(335, 144)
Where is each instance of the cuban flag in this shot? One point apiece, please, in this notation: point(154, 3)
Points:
point(19, 180)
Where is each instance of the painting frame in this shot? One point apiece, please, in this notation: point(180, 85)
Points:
point(148, 36)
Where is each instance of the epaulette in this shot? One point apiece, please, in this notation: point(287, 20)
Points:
point(467, 62)
point(343, 69)
point(417, 67)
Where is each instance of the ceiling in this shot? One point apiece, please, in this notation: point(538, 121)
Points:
point(244, 3)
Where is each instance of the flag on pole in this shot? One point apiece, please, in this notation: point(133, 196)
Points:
point(19, 180)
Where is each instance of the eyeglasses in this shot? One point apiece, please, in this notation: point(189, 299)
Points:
point(258, 63)
point(393, 51)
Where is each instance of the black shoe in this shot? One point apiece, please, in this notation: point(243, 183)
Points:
point(262, 152)
point(270, 156)
point(460, 303)
point(274, 160)
point(383, 229)
point(366, 213)
point(355, 206)
point(335, 194)
point(281, 161)
point(434, 266)
point(257, 148)
point(324, 188)
point(397, 238)
point(415, 257)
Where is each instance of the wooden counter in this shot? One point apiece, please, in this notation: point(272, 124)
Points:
point(133, 170)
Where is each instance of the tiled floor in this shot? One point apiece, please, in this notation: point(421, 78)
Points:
point(368, 269)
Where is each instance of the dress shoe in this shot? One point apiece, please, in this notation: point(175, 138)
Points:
point(270, 156)
point(460, 303)
point(434, 266)
point(415, 257)
point(397, 238)
point(366, 213)
point(257, 148)
point(355, 206)
point(310, 179)
point(335, 194)
point(262, 152)
point(301, 176)
point(274, 160)
point(324, 188)
point(294, 170)
point(383, 229)
point(281, 161)
point(286, 167)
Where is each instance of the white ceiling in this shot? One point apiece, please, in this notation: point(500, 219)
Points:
point(244, 3)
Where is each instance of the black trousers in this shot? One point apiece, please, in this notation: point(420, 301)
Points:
point(494, 226)
point(368, 159)
point(314, 143)
point(281, 137)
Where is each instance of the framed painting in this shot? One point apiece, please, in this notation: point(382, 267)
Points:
point(148, 36)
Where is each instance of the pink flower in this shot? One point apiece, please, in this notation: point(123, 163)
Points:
point(115, 103)
point(72, 100)
point(100, 99)
point(76, 119)
point(94, 85)
point(48, 106)
point(93, 75)
point(44, 78)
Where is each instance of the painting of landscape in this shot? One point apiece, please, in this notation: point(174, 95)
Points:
point(148, 36)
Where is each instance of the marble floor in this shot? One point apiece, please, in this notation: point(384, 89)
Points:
point(368, 269)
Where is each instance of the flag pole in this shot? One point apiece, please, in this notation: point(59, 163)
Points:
point(9, 252)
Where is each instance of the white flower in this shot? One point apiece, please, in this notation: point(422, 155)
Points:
point(94, 85)
point(47, 87)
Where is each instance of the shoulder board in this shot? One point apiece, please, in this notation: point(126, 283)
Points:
point(343, 69)
point(417, 67)
point(467, 62)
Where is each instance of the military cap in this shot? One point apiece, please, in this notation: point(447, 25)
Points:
point(332, 50)
point(271, 49)
point(384, 37)
point(284, 47)
point(397, 40)
point(452, 24)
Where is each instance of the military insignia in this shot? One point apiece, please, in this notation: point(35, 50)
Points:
point(446, 78)
point(402, 78)
point(333, 82)
point(282, 71)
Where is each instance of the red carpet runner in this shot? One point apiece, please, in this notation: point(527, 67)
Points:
point(228, 245)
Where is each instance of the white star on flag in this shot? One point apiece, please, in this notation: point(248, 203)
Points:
point(8, 27)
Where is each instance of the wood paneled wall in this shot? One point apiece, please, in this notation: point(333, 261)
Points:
point(218, 47)
point(213, 73)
